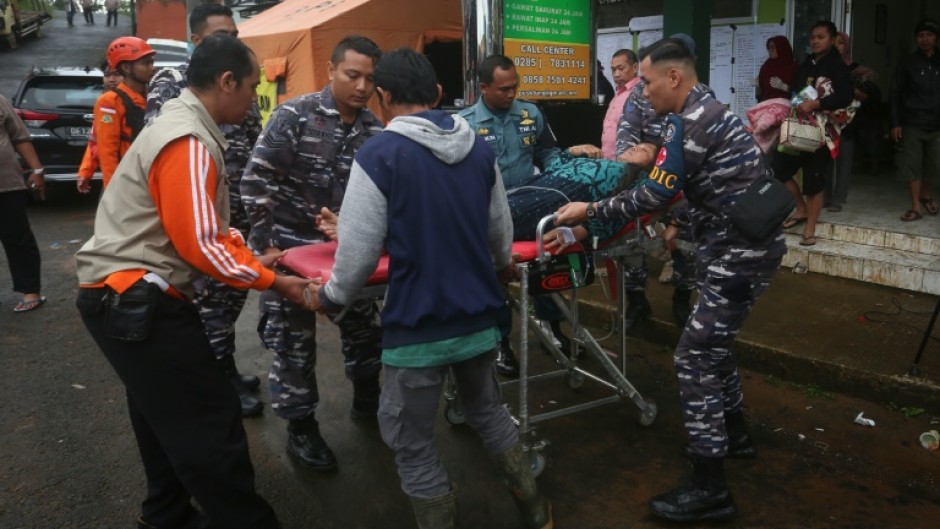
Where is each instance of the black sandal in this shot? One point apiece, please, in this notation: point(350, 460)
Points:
point(911, 215)
point(930, 205)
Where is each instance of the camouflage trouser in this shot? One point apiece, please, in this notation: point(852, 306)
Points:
point(683, 270)
point(709, 385)
point(290, 332)
point(219, 306)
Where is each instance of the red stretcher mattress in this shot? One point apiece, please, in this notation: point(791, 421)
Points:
point(316, 260)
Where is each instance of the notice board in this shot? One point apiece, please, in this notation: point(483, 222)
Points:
point(549, 41)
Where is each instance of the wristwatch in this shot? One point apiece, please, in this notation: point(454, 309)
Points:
point(591, 211)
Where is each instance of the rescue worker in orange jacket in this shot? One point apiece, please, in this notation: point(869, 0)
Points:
point(119, 114)
point(112, 78)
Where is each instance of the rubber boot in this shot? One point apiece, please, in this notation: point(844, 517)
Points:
point(436, 513)
point(638, 309)
point(536, 510)
point(365, 398)
point(305, 443)
point(506, 363)
point(251, 406)
point(705, 498)
point(681, 307)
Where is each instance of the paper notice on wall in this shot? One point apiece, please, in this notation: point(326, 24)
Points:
point(750, 52)
point(720, 63)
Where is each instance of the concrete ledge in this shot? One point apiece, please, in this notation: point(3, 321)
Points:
point(900, 390)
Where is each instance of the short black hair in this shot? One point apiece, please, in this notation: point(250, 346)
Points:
point(490, 64)
point(202, 12)
point(631, 57)
point(408, 76)
point(829, 25)
point(214, 56)
point(359, 44)
point(668, 50)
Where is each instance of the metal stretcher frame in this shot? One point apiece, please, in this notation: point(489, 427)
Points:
point(315, 261)
point(569, 369)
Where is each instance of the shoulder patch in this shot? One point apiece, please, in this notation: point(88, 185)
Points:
point(107, 119)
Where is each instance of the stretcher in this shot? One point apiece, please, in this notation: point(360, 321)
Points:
point(541, 273)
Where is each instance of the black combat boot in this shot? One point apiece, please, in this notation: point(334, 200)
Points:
point(740, 444)
point(305, 443)
point(638, 309)
point(251, 406)
point(365, 398)
point(564, 340)
point(506, 364)
point(681, 307)
point(705, 497)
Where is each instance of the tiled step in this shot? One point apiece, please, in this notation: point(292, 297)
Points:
point(890, 261)
point(878, 237)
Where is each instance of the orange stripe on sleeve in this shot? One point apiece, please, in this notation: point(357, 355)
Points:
point(183, 183)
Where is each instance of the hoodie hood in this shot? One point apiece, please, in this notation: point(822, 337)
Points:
point(449, 137)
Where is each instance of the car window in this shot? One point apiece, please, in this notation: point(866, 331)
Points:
point(167, 53)
point(52, 93)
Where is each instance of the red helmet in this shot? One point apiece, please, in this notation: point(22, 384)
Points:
point(127, 49)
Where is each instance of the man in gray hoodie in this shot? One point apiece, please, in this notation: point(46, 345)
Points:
point(430, 192)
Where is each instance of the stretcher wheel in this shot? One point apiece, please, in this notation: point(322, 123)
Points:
point(453, 413)
point(537, 461)
point(574, 379)
point(648, 415)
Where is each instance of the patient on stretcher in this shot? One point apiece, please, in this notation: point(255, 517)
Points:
point(571, 178)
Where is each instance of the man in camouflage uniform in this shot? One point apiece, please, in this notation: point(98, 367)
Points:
point(640, 124)
point(299, 171)
point(708, 154)
point(219, 305)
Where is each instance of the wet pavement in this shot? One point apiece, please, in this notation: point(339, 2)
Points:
point(68, 458)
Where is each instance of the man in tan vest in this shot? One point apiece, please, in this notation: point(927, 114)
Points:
point(161, 225)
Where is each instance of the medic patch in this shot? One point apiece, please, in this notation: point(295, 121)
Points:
point(668, 175)
point(661, 157)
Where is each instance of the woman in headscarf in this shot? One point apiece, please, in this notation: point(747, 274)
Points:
point(775, 78)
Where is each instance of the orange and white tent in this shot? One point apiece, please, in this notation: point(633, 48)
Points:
point(294, 39)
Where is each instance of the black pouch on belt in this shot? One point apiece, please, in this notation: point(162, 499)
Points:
point(130, 314)
point(762, 208)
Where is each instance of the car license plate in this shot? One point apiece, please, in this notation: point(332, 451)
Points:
point(79, 131)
